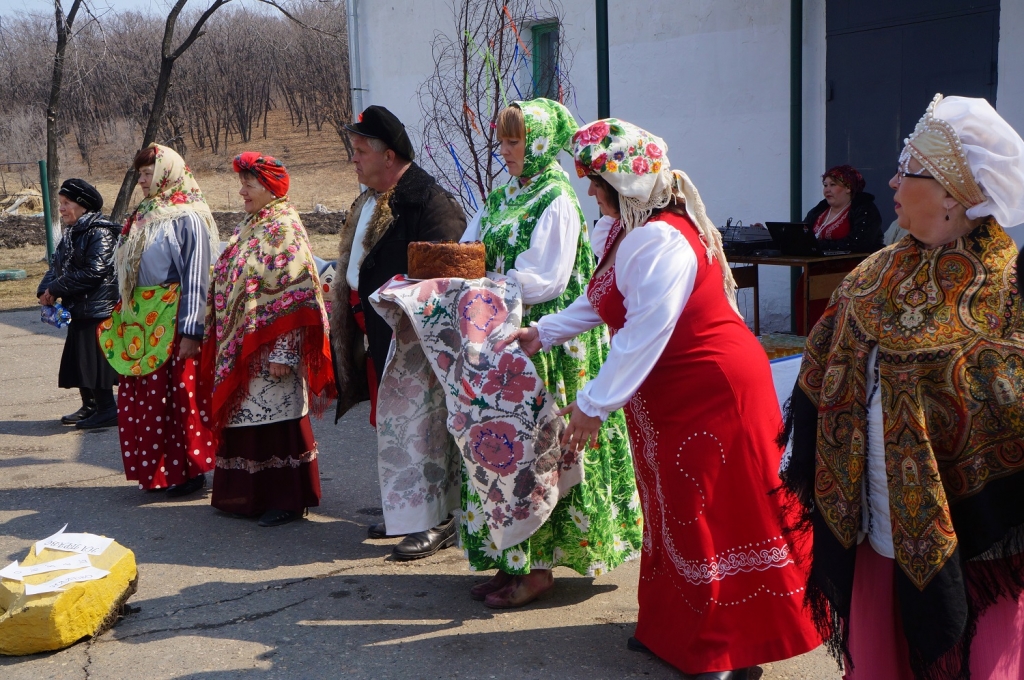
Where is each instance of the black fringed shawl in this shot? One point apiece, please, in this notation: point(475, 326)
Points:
point(949, 326)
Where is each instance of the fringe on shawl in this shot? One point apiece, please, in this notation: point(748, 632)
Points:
point(990, 577)
point(675, 186)
point(128, 254)
point(313, 361)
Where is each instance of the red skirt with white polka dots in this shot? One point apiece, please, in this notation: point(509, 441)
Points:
point(162, 420)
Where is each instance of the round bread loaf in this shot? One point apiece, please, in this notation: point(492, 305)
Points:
point(446, 260)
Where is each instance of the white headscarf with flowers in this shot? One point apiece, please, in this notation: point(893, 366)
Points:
point(173, 193)
point(636, 164)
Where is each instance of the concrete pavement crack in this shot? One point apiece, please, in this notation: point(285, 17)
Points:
point(88, 658)
point(281, 586)
point(245, 618)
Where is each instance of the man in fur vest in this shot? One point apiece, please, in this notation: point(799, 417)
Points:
point(402, 203)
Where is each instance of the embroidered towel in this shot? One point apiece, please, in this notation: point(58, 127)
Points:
point(448, 399)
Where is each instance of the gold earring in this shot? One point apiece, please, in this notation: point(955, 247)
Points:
point(947, 214)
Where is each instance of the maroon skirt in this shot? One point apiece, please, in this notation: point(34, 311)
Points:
point(267, 467)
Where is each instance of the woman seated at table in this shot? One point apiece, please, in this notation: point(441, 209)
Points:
point(846, 218)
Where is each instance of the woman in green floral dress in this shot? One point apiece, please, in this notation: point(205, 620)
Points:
point(535, 233)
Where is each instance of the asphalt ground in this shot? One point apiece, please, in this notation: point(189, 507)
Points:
point(224, 598)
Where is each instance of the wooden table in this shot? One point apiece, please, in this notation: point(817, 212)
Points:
point(823, 275)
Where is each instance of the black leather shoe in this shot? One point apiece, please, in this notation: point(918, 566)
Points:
point(426, 543)
point(103, 418)
point(275, 518)
point(634, 645)
point(377, 531)
point(79, 415)
point(191, 486)
point(741, 674)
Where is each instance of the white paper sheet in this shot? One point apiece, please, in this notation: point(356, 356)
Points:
point(86, 544)
point(56, 585)
point(16, 573)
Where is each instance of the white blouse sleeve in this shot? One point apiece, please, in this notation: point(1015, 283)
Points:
point(599, 235)
point(543, 270)
point(579, 317)
point(655, 270)
point(472, 232)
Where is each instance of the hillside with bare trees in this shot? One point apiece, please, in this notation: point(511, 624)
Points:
point(255, 78)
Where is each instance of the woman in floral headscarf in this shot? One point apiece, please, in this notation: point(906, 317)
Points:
point(721, 577)
point(153, 338)
point(535, 233)
point(267, 354)
point(908, 421)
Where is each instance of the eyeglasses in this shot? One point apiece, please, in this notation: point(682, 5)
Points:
point(900, 174)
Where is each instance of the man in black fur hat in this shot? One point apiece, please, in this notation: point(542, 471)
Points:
point(402, 203)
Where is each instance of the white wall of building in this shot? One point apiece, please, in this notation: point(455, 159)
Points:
point(1010, 88)
point(711, 78)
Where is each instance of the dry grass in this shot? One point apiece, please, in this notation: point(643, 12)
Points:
point(318, 165)
point(319, 168)
point(21, 294)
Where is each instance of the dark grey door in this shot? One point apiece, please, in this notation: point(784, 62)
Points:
point(886, 59)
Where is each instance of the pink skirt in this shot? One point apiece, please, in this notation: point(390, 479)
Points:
point(879, 649)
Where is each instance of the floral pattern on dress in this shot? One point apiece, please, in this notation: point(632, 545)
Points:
point(589, 526)
point(444, 363)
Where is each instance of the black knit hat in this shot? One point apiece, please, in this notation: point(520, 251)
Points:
point(377, 122)
point(82, 193)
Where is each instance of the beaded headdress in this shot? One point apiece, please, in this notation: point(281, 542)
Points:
point(936, 145)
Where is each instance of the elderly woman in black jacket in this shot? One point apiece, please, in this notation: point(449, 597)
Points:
point(81, 276)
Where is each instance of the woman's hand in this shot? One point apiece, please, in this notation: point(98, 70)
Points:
point(188, 348)
point(46, 298)
point(582, 429)
point(279, 370)
point(529, 341)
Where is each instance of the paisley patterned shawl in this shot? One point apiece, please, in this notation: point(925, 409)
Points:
point(518, 205)
point(948, 326)
point(264, 285)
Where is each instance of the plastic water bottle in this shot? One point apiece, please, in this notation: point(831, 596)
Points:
point(55, 315)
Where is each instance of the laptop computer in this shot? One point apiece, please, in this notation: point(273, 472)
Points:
point(797, 238)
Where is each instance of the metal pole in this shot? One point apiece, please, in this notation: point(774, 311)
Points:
point(603, 96)
point(44, 185)
point(796, 132)
point(355, 67)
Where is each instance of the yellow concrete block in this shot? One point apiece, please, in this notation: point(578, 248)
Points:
point(40, 623)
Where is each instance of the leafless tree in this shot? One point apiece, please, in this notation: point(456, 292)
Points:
point(168, 55)
point(479, 67)
point(63, 24)
point(315, 81)
point(218, 92)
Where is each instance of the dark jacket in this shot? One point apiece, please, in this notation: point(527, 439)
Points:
point(420, 211)
point(866, 233)
point(81, 273)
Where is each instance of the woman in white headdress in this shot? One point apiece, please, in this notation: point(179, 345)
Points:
point(908, 424)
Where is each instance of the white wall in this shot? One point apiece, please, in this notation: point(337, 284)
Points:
point(710, 77)
point(1010, 88)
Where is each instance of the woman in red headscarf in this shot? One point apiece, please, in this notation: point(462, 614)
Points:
point(266, 356)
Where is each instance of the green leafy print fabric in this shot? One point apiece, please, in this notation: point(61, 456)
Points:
point(598, 524)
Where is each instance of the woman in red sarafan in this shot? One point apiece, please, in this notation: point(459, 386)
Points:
point(723, 571)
